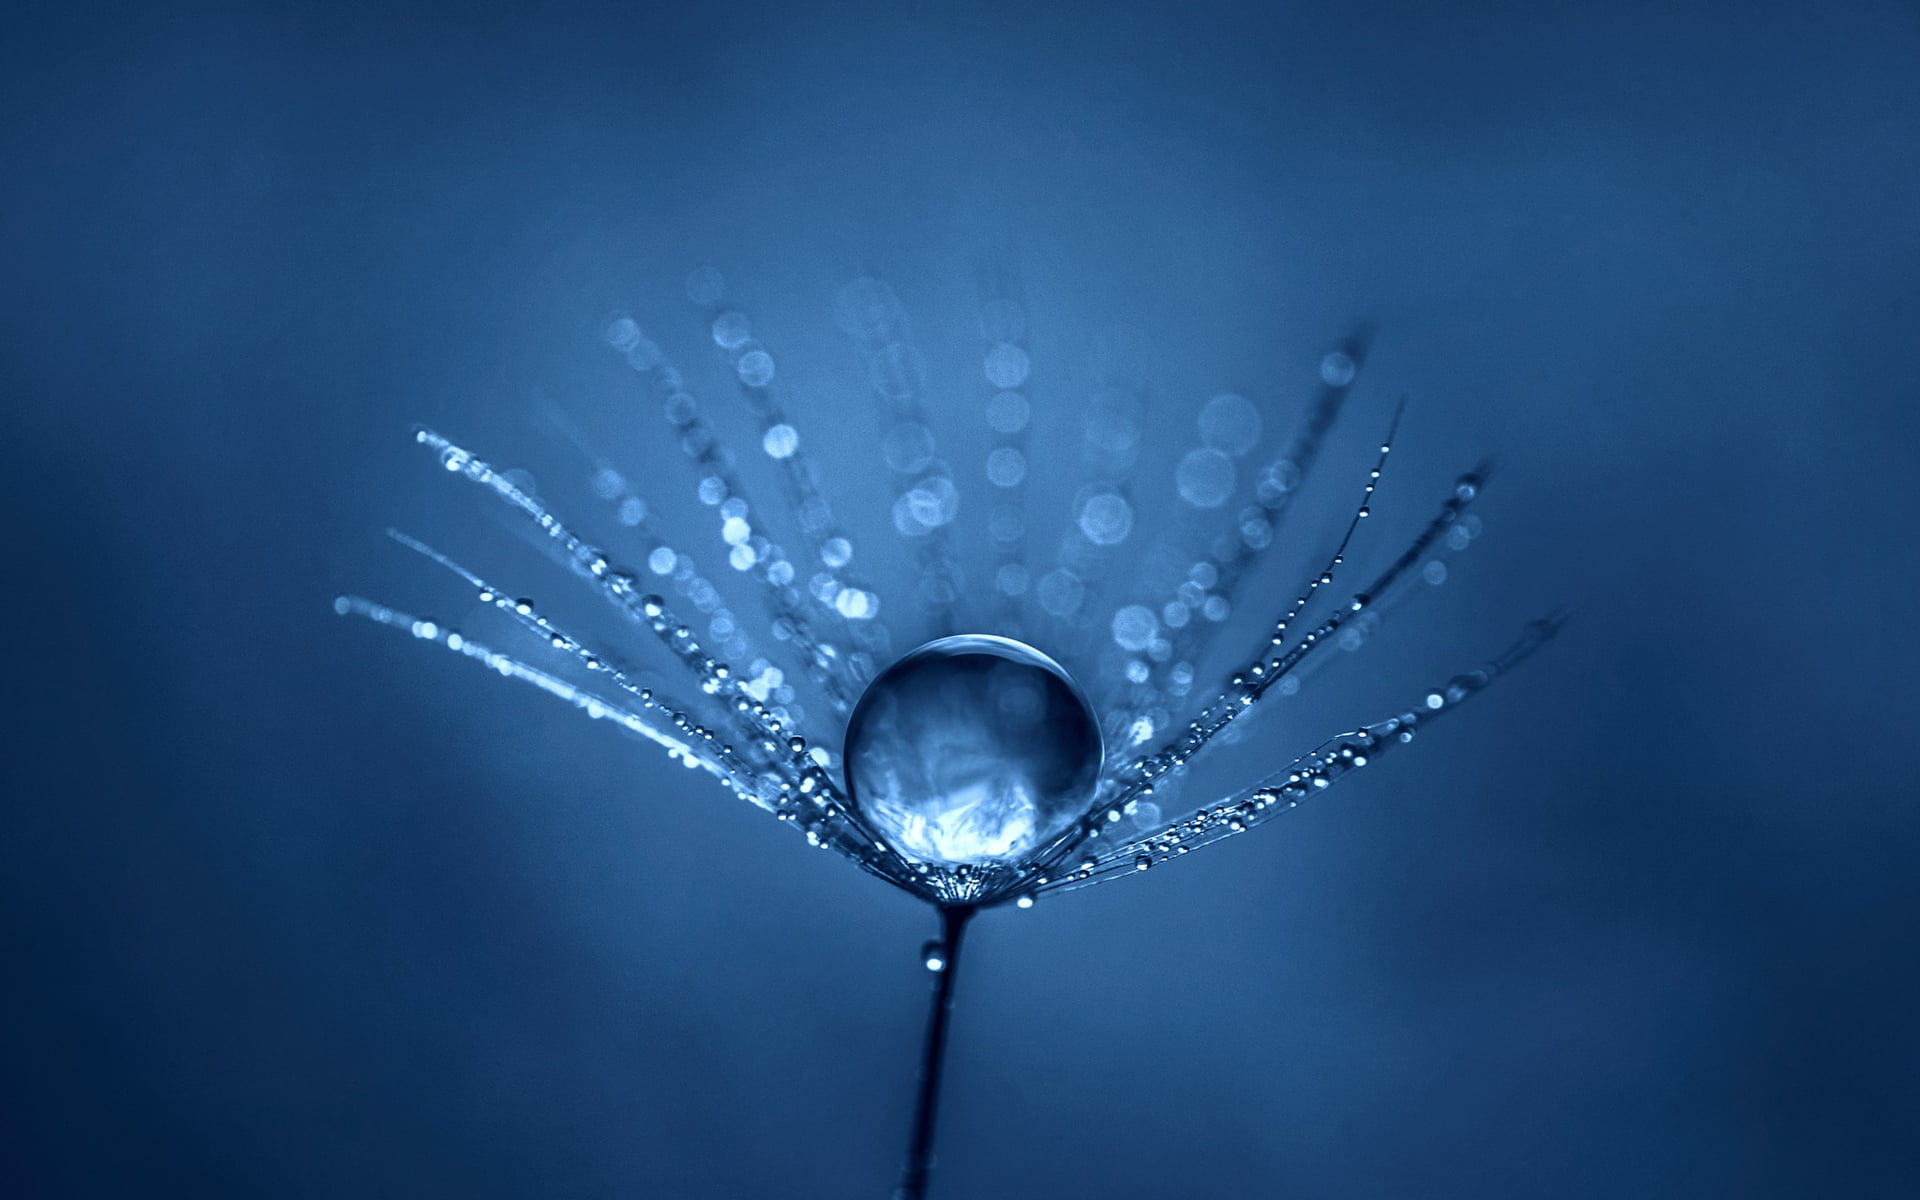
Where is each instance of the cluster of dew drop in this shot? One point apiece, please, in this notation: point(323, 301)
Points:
point(763, 756)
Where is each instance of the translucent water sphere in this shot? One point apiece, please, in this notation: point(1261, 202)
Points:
point(972, 749)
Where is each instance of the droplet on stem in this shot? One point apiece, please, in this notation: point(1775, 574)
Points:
point(972, 749)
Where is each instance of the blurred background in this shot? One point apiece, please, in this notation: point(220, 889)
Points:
point(294, 906)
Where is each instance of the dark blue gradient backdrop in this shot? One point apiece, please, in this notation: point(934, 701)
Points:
point(296, 907)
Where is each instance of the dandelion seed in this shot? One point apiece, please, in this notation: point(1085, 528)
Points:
point(971, 772)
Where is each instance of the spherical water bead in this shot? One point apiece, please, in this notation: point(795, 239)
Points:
point(1006, 366)
point(926, 507)
point(972, 749)
point(1060, 592)
point(1280, 477)
point(1112, 424)
point(1009, 412)
point(644, 355)
point(907, 448)
point(934, 955)
point(609, 484)
point(621, 332)
point(1230, 424)
point(1337, 369)
point(1106, 519)
point(856, 605)
point(755, 368)
point(1256, 532)
point(1006, 467)
point(780, 441)
point(731, 330)
point(1204, 478)
point(1134, 626)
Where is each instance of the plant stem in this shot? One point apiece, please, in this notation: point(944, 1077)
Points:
point(913, 1181)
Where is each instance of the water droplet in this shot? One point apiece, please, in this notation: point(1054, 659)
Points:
point(1009, 412)
point(622, 332)
point(972, 749)
point(1061, 592)
point(1230, 424)
point(907, 448)
point(1205, 478)
point(1006, 467)
point(780, 441)
point(755, 368)
point(731, 330)
point(1007, 366)
point(1133, 627)
point(1337, 369)
point(1106, 519)
point(934, 955)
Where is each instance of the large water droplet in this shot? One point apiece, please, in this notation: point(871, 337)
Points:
point(972, 749)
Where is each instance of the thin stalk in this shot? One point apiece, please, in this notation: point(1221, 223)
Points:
point(933, 1057)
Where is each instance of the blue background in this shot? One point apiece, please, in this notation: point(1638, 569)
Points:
point(294, 907)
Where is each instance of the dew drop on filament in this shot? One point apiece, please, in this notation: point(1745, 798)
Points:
point(972, 749)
